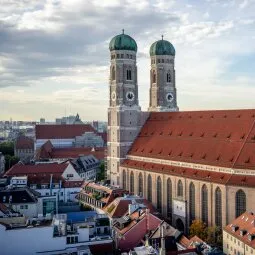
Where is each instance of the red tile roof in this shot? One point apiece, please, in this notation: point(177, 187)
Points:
point(208, 176)
point(47, 151)
point(24, 142)
point(120, 206)
point(61, 131)
point(20, 169)
point(98, 152)
point(72, 184)
point(219, 138)
point(244, 222)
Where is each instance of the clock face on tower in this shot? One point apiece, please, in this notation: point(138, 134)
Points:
point(113, 96)
point(169, 97)
point(130, 96)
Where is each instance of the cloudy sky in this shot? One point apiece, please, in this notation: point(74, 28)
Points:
point(54, 57)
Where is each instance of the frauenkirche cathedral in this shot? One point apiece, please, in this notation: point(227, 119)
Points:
point(190, 165)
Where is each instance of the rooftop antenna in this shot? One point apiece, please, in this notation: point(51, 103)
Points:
point(162, 37)
point(123, 31)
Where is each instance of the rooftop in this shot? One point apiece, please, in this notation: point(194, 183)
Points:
point(224, 138)
point(243, 228)
point(24, 142)
point(61, 131)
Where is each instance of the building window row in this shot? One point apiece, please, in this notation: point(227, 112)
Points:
point(128, 56)
point(240, 203)
point(153, 61)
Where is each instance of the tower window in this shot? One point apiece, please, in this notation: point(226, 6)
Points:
point(129, 77)
point(158, 60)
point(163, 61)
point(154, 77)
point(122, 55)
point(127, 55)
point(118, 55)
point(113, 73)
point(168, 77)
point(131, 56)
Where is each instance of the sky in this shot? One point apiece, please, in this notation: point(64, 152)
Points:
point(54, 55)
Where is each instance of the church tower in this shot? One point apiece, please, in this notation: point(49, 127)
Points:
point(124, 112)
point(162, 77)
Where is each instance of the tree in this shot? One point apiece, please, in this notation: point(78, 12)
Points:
point(198, 228)
point(214, 236)
point(7, 148)
point(101, 174)
point(10, 161)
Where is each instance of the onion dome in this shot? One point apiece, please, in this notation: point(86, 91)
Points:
point(123, 42)
point(162, 47)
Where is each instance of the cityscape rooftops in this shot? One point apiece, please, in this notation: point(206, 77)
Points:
point(243, 228)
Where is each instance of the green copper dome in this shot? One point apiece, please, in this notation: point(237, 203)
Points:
point(162, 47)
point(123, 42)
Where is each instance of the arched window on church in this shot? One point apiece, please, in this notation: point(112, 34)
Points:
point(168, 77)
point(169, 198)
point(153, 76)
point(240, 202)
point(113, 73)
point(192, 210)
point(124, 179)
point(218, 207)
point(131, 183)
point(140, 184)
point(180, 189)
point(159, 194)
point(129, 77)
point(205, 204)
point(149, 188)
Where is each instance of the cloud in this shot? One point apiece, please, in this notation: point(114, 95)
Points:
point(56, 51)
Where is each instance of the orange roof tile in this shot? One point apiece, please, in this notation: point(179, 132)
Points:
point(61, 131)
point(220, 138)
point(246, 222)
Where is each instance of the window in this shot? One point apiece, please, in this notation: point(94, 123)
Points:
point(205, 204)
point(140, 184)
point(192, 210)
point(240, 202)
point(131, 183)
point(180, 189)
point(113, 73)
point(168, 77)
point(149, 188)
point(159, 194)
point(124, 179)
point(169, 198)
point(153, 76)
point(218, 207)
point(129, 77)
